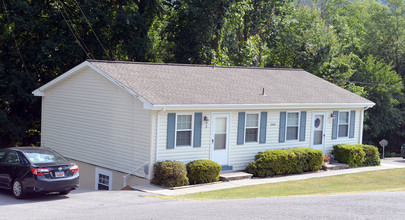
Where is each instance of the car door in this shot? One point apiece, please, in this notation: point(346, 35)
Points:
point(3, 176)
point(10, 167)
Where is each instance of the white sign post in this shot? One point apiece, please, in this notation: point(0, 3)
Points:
point(383, 143)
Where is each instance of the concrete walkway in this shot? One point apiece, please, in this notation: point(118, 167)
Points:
point(389, 163)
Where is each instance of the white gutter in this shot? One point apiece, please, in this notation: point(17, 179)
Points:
point(263, 106)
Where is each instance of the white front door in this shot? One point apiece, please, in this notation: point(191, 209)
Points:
point(220, 138)
point(318, 130)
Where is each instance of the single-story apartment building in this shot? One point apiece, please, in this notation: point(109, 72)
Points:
point(116, 119)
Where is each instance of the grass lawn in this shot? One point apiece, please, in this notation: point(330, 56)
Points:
point(384, 180)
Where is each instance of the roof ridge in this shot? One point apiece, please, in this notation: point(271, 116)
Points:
point(194, 65)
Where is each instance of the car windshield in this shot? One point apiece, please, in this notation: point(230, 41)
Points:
point(44, 156)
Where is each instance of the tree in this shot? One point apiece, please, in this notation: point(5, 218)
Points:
point(305, 43)
point(384, 87)
point(42, 39)
point(194, 29)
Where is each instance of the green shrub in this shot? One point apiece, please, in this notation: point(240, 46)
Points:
point(372, 157)
point(170, 173)
point(203, 171)
point(349, 154)
point(277, 162)
point(310, 159)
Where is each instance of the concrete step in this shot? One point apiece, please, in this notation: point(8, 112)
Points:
point(230, 176)
point(335, 166)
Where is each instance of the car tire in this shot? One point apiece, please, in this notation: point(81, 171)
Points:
point(65, 192)
point(18, 190)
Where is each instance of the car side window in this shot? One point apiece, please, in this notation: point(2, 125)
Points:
point(12, 158)
point(2, 153)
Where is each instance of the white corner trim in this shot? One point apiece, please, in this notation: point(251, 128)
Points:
point(41, 91)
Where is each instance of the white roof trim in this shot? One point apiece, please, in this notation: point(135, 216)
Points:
point(263, 106)
point(40, 91)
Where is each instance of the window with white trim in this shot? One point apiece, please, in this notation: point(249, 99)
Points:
point(184, 130)
point(103, 179)
point(343, 124)
point(292, 126)
point(252, 128)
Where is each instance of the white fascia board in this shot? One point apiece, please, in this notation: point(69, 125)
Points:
point(40, 91)
point(263, 106)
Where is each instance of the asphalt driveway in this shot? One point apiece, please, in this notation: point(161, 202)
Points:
point(134, 205)
point(82, 204)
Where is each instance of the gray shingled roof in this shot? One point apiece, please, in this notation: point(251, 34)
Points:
point(179, 84)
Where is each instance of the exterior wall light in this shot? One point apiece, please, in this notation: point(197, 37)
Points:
point(206, 119)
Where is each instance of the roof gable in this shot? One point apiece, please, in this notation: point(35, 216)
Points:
point(76, 69)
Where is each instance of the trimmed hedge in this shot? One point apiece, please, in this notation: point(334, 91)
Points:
point(170, 173)
point(203, 171)
point(357, 155)
point(349, 154)
point(372, 157)
point(311, 159)
point(277, 162)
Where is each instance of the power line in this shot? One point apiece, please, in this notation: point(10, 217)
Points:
point(105, 51)
point(359, 82)
point(77, 32)
point(15, 40)
point(91, 28)
point(87, 52)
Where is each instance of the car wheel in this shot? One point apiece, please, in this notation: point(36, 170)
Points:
point(18, 190)
point(65, 192)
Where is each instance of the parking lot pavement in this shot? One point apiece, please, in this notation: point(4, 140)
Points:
point(134, 205)
point(7, 198)
point(80, 204)
point(393, 161)
point(84, 204)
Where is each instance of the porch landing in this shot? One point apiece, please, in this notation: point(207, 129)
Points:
point(230, 176)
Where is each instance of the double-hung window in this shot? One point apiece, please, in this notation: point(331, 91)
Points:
point(184, 130)
point(343, 124)
point(252, 127)
point(292, 125)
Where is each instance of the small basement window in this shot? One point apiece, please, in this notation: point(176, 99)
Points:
point(103, 179)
